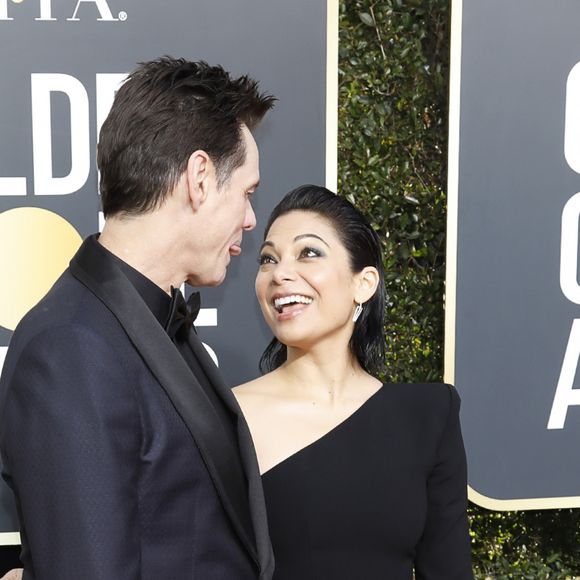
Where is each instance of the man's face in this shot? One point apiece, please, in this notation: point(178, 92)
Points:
point(228, 213)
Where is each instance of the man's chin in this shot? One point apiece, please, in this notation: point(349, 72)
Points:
point(216, 282)
point(207, 281)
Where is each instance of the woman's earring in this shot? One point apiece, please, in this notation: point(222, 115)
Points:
point(357, 312)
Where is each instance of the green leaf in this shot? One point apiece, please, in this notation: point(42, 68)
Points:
point(366, 18)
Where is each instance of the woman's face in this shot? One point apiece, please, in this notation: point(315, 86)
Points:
point(305, 285)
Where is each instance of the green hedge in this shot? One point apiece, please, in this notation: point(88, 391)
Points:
point(392, 148)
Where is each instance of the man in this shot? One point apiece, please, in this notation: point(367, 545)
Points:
point(126, 452)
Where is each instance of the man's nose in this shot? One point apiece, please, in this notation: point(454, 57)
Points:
point(250, 218)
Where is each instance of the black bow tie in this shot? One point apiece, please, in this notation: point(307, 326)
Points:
point(182, 314)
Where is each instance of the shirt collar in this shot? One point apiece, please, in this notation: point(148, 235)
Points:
point(157, 300)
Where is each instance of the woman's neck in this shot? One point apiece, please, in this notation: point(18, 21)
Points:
point(328, 378)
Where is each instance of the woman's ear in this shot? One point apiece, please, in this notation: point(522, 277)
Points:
point(366, 283)
point(198, 175)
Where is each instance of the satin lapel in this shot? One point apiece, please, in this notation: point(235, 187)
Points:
point(257, 501)
point(249, 460)
point(98, 272)
point(213, 374)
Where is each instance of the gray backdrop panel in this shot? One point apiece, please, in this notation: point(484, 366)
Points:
point(513, 322)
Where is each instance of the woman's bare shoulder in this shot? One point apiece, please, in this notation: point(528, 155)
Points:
point(256, 388)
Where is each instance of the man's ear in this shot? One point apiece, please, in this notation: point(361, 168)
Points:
point(199, 173)
point(366, 282)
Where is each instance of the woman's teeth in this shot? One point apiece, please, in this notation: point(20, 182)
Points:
point(279, 303)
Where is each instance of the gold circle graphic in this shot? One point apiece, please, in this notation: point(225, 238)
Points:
point(36, 246)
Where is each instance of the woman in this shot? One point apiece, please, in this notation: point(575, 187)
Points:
point(363, 480)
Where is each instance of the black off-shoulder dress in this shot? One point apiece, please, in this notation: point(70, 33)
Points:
point(381, 495)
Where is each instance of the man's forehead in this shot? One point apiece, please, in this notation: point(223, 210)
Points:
point(249, 141)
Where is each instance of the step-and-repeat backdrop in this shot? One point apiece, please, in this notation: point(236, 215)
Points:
point(60, 64)
point(513, 291)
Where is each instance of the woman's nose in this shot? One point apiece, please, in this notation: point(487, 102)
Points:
point(283, 272)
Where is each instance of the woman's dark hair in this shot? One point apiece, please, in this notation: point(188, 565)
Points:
point(363, 246)
point(167, 109)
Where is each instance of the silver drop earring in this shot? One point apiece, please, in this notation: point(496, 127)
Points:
point(357, 312)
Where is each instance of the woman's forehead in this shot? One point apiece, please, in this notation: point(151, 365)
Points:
point(300, 222)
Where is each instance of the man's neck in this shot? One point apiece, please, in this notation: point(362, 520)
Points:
point(144, 244)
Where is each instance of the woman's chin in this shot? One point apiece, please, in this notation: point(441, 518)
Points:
point(298, 343)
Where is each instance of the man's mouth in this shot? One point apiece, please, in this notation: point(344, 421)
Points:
point(235, 249)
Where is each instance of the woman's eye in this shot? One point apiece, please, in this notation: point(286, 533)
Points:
point(265, 259)
point(310, 253)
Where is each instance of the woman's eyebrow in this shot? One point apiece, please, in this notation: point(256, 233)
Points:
point(270, 244)
point(301, 236)
point(267, 243)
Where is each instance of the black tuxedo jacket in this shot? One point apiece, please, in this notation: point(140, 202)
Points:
point(120, 464)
